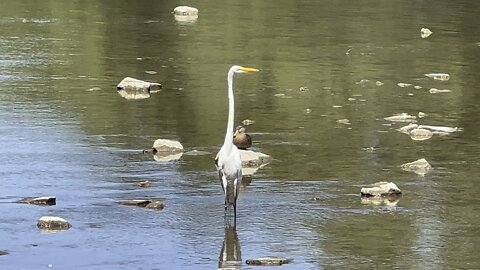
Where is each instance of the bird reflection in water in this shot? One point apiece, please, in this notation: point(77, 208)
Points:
point(230, 254)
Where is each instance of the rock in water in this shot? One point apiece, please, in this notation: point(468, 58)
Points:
point(185, 11)
point(420, 167)
point(185, 14)
point(53, 223)
point(136, 202)
point(403, 117)
point(162, 145)
point(268, 261)
point(49, 200)
point(3, 252)
point(156, 205)
point(253, 159)
point(137, 85)
point(151, 204)
point(420, 134)
point(130, 88)
point(380, 189)
point(425, 32)
point(438, 76)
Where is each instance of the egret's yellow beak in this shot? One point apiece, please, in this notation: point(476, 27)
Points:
point(247, 69)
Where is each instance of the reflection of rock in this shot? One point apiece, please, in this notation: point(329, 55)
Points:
point(166, 156)
point(268, 261)
point(380, 189)
point(388, 201)
point(50, 200)
point(132, 94)
point(53, 223)
point(230, 254)
point(420, 167)
point(130, 88)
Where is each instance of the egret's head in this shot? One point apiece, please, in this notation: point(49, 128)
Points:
point(240, 69)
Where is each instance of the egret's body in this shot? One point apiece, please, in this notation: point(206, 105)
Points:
point(228, 161)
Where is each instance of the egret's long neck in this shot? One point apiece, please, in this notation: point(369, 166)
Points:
point(231, 111)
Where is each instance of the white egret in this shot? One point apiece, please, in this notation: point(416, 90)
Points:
point(228, 161)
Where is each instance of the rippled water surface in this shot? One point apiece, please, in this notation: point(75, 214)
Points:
point(66, 132)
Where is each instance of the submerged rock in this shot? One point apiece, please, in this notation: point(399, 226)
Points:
point(420, 134)
point(435, 91)
point(136, 202)
point(151, 204)
point(143, 184)
point(155, 205)
point(438, 76)
point(404, 84)
point(440, 129)
point(406, 129)
point(268, 261)
point(49, 200)
point(424, 132)
point(403, 117)
point(52, 223)
point(381, 189)
point(420, 167)
point(3, 252)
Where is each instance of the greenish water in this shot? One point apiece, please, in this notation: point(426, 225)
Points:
point(67, 132)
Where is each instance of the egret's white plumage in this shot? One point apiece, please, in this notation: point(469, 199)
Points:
point(228, 161)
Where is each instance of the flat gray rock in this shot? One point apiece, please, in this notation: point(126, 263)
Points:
point(150, 204)
point(268, 261)
point(136, 202)
point(52, 223)
point(254, 159)
point(47, 200)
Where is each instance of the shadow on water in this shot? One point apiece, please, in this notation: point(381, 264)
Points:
point(230, 254)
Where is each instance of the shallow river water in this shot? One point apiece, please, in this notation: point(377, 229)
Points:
point(66, 132)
